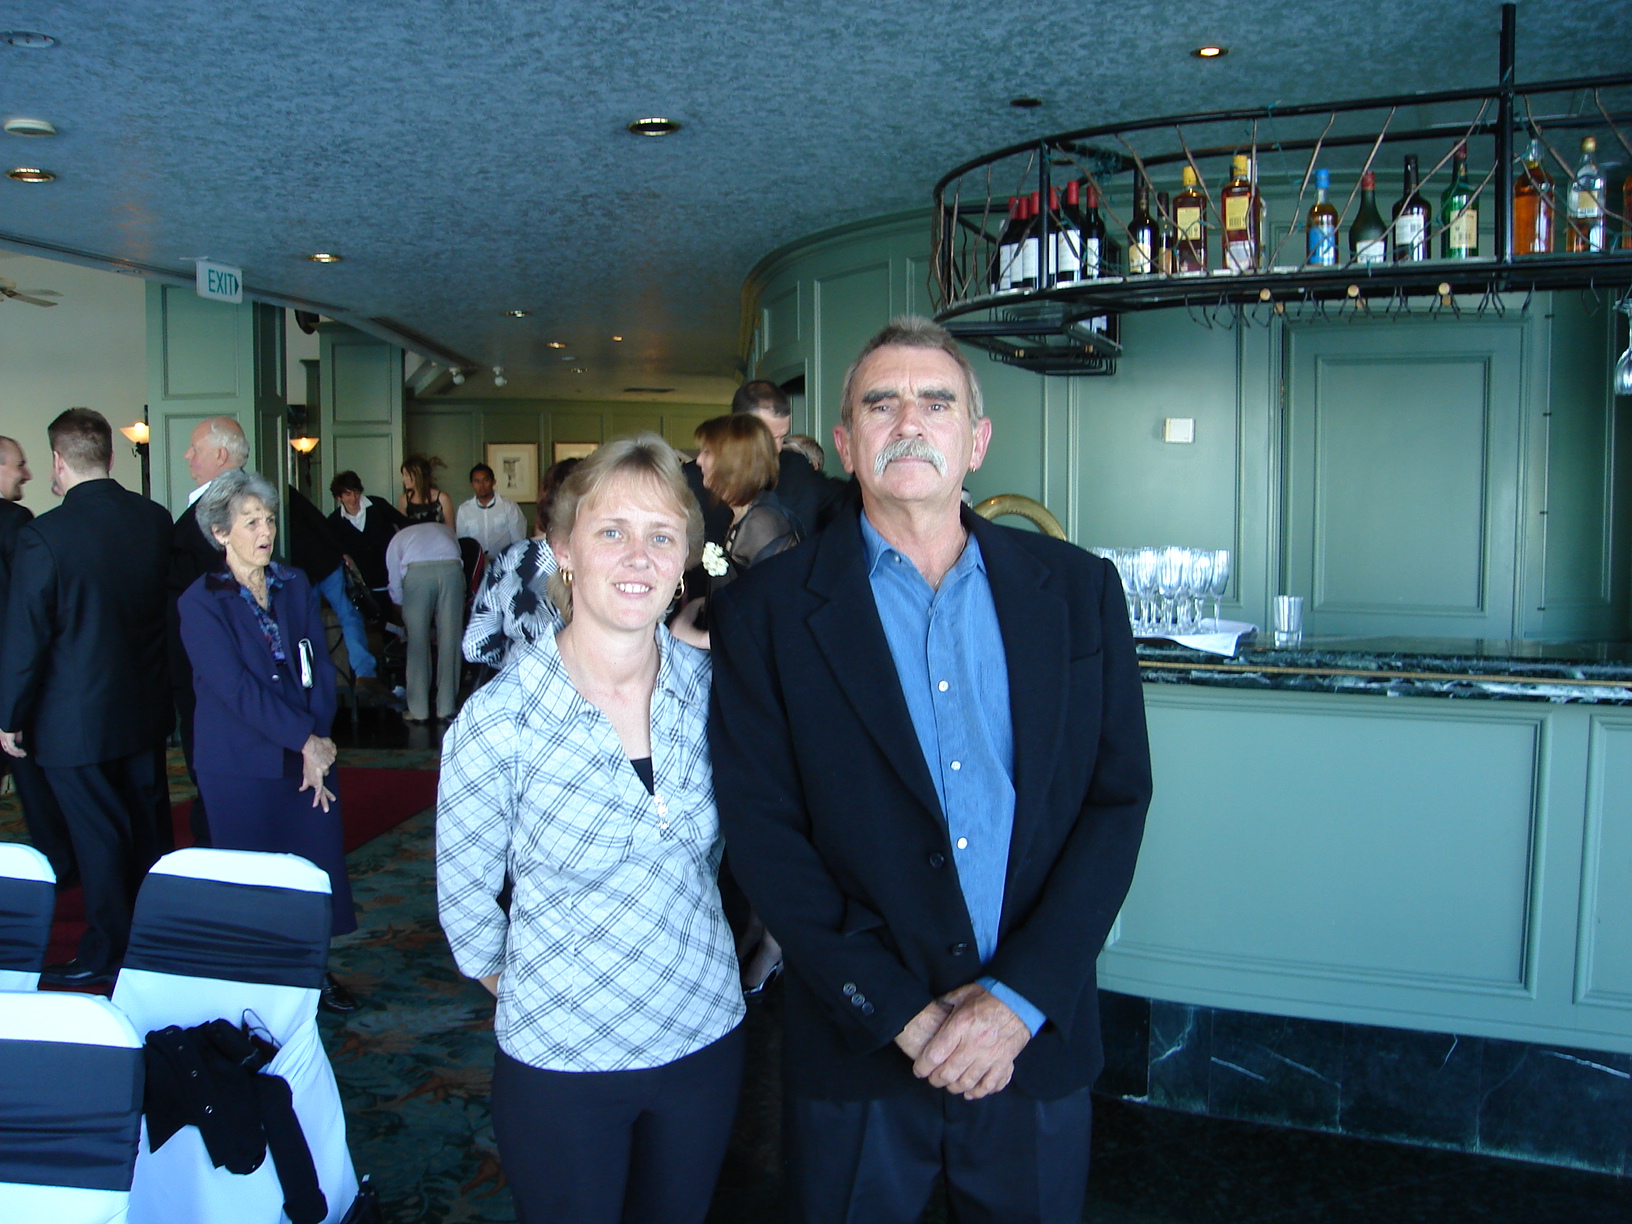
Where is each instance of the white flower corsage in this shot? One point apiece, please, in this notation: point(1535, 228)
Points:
point(714, 561)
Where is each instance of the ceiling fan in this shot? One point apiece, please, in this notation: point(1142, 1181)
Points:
point(34, 297)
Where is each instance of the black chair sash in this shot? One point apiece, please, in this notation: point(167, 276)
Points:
point(26, 907)
point(234, 932)
point(70, 1114)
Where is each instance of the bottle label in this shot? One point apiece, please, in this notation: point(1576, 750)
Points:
point(1241, 257)
point(1188, 223)
point(1372, 251)
point(1323, 245)
point(1235, 212)
point(1067, 255)
point(1008, 256)
point(1464, 230)
point(1090, 258)
point(1584, 203)
point(1026, 273)
point(1409, 229)
point(1139, 257)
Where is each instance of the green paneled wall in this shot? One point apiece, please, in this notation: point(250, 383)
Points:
point(1439, 477)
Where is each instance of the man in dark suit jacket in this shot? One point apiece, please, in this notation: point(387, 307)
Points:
point(365, 544)
point(217, 445)
point(812, 497)
point(82, 667)
point(932, 773)
point(41, 813)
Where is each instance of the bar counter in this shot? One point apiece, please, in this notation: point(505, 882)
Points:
point(1595, 672)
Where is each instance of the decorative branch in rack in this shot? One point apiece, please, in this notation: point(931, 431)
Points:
point(1063, 322)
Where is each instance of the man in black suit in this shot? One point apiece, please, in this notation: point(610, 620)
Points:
point(811, 496)
point(82, 667)
point(217, 445)
point(40, 810)
point(932, 772)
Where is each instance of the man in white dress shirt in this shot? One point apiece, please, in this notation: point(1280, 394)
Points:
point(493, 521)
point(427, 580)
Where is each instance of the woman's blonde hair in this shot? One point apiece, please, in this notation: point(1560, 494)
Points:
point(745, 461)
point(421, 471)
point(646, 455)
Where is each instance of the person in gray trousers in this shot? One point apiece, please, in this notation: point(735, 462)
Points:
point(427, 581)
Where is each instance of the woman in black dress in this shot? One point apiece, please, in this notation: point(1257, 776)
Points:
point(421, 500)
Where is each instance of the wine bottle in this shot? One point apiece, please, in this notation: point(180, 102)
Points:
point(1243, 211)
point(1067, 234)
point(1164, 234)
point(1323, 224)
point(1411, 216)
point(1584, 232)
point(1025, 272)
point(1190, 225)
point(1008, 249)
point(1094, 263)
point(1458, 212)
point(1532, 205)
point(1368, 236)
point(1142, 236)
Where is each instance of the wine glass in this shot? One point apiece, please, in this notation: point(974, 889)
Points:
point(1170, 582)
point(1144, 584)
point(1201, 581)
point(1220, 579)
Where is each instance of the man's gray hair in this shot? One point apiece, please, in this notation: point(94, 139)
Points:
point(911, 331)
point(220, 503)
point(228, 434)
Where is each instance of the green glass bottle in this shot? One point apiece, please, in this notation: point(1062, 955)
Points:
point(1458, 213)
point(1368, 236)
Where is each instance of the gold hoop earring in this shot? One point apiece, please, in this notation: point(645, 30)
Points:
point(566, 576)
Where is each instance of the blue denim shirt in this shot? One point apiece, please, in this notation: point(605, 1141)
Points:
point(948, 653)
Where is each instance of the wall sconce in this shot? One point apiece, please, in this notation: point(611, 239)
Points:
point(138, 435)
point(304, 444)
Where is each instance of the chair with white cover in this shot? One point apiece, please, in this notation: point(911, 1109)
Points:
point(236, 934)
point(28, 900)
point(70, 1108)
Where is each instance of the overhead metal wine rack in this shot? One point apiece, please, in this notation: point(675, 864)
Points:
point(1072, 327)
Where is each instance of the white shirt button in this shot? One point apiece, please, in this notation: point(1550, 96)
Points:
point(963, 843)
point(957, 764)
point(943, 686)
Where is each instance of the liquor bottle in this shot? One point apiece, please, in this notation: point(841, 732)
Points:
point(1243, 211)
point(1094, 261)
point(1142, 234)
point(1368, 236)
point(1458, 212)
point(1025, 270)
point(1067, 234)
point(1584, 232)
point(1008, 249)
point(1411, 216)
point(1164, 234)
point(1532, 205)
point(1190, 225)
point(1323, 224)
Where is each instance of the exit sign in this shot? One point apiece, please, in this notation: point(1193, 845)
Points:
point(220, 283)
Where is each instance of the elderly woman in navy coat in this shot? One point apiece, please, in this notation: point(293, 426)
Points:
point(266, 696)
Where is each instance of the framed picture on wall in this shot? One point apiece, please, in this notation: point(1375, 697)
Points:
point(515, 469)
point(573, 450)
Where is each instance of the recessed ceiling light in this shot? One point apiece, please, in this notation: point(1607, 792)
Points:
point(518, 314)
point(1025, 103)
point(579, 370)
point(28, 38)
point(1210, 52)
point(324, 257)
point(555, 344)
point(654, 125)
point(617, 338)
point(30, 127)
point(30, 174)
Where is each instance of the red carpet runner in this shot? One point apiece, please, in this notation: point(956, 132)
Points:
point(373, 801)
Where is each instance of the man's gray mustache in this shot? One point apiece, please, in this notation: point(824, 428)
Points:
point(909, 448)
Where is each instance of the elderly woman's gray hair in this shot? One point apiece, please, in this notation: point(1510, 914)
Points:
point(219, 504)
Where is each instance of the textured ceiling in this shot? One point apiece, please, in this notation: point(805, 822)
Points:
point(469, 157)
